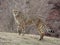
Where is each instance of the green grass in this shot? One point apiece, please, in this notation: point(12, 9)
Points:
point(27, 39)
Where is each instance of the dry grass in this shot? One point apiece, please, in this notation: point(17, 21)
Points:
point(15, 39)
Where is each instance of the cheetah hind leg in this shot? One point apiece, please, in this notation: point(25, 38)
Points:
point(41, 36)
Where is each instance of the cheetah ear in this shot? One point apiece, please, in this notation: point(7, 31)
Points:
point(19, 12)
point(13, 10)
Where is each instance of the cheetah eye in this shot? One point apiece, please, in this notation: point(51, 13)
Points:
point(15, 12)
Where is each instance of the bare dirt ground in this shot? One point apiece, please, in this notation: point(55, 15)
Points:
point(27, 39)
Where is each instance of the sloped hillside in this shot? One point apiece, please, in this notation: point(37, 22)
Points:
point(27, 39)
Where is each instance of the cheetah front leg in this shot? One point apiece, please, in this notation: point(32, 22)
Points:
point(19, 30)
